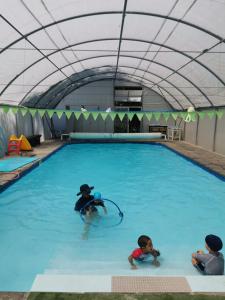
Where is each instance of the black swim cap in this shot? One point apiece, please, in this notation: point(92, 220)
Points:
point(214, 242)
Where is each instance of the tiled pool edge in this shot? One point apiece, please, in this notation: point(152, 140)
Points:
point(29, 167)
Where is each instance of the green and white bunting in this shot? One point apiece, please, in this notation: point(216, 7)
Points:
point(14, 110)
point(59, 113)
point(148, 115)
point(166, 115)
point(77, 114)
point(130, 116)
point(32, 112)
point(219, 113)
point(95, 115)
point(201, 115)
point(23, 111)
point(104, 115)
point(174, 115)
point(186, 116)
point(121, 116)
point(68, 114)
point(41, 112)
point(157, 115)
point(211, 114)
point(50, 113)
point(112, 115)
point(86, 115)
point(139, 115)
point(183, 115)
point(5, 109)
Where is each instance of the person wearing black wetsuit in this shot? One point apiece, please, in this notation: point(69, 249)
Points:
point(84, 204)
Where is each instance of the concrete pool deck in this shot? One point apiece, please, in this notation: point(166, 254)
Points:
point(129, 284)
point(210, 160)
point(41, 152)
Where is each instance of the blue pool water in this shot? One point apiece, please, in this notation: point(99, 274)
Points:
point(161, 194)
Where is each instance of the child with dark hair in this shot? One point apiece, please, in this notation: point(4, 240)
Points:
point(211, 263)
point(143, 253)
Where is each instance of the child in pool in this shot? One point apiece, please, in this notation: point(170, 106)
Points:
point(144, 252)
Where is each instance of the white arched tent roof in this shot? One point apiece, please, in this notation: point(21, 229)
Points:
point(50, 48)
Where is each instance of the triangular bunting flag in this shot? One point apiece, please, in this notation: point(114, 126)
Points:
point(121, 116)
point(220, 113)
point(95, 115)
point(140, 116)
point(32, 112)
point(68, 114)
point(201, 114)
point(41, 112)
point(59, 113)
point(77, 114)
point(157, 115)
point(166, 115)
point(5, 109)
point(14, 110)
point(148, 115)
point(193, 116)
point(50, 112)
point(130, 115)
point(174, 115)
point(211, 113)
point(86, 114)
point(23, 111)
point(104, 115)
point(183, 115)
point(112, 115)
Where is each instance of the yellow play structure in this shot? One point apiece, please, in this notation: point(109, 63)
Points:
point(22, 142)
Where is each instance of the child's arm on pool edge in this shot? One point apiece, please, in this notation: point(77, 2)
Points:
point(131, 261)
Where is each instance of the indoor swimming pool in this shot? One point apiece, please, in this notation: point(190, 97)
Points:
point(161, 194)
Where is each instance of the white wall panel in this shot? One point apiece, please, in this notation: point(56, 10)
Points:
point(220, 136)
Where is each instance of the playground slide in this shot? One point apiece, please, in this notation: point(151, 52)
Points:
point(25, 145)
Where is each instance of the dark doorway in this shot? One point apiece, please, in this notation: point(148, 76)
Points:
point(121, 126)
point(127, 98)
point(135, 123)
point(133, 126)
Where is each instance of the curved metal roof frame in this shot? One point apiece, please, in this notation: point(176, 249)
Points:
point(124, 13)
point(25, 36)
point(113, 39)
point(130, 56)
point(124, 80)
point(129, 67)
point(113, 72)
